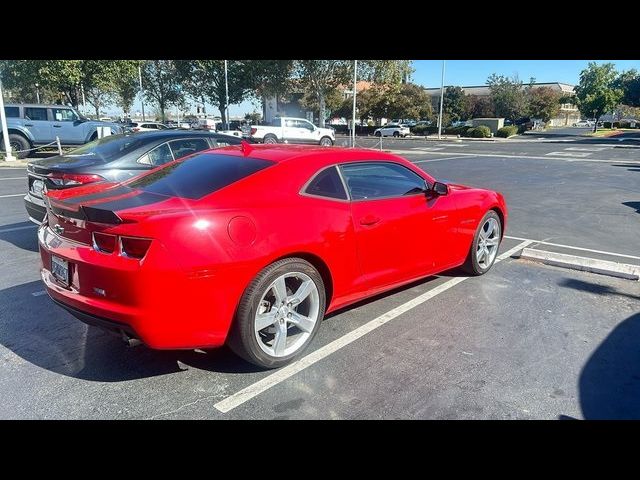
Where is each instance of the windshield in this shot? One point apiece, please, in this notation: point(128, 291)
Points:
point(109, 148)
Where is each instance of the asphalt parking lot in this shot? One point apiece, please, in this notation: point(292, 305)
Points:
point(525, 341)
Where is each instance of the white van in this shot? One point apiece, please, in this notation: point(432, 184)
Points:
point(208, 124)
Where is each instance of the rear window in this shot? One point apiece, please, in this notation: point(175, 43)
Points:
point(199, 175)
point(12, 112)
point(110, 148)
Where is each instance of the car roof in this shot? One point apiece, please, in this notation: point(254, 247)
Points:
point(39, 105)
point(281, 153)
point(160, 134)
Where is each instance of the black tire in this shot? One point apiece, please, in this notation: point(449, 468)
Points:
point(471, 265)
point(327, 142)
point(93, 137)
point(377, 134)
point(18, 143)
point(270, 139)
point(396, 134)
point(242, 339)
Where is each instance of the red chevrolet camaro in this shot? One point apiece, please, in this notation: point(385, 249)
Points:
point(252, 245)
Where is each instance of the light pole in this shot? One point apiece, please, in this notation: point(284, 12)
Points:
point(141, 92)
point(595, 121)
point(226, 88)
point(353, 119)
point(37, 93)
point(441, 102)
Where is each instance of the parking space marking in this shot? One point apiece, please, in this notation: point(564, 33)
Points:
point(39, 293)
point(284, 373)
point(13, 178)
point(586, 149)
point(437, 159)
point(524, 157)
point(575, 248)
point(15, 229)
point(568, 154)
point(14, 195)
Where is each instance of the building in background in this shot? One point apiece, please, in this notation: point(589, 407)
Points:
point(568, 115)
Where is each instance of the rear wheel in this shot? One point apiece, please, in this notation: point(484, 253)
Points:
point(326, 142)
point(396, 134)
point(19, 145)
point(270, 139)
point(378, 134)
point(484, 248)
point(279, 313)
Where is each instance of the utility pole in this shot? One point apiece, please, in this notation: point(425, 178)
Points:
point(441, 103)
point(141, 92)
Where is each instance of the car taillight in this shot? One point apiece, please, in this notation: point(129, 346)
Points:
point(253, 131)
point(134, 247)
point(135, 129)
point(66, 179)
point(104, 242)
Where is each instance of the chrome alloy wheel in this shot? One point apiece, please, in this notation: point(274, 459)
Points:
point(488, 243)
point(287, 314)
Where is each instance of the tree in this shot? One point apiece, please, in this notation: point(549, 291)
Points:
point(629, 83)
point(478, 107)
point(161, 86)
point(206, 79)
point(98, 81)
point(409, 101)
point(544, 103)
point(334, 99)
point(253, 117)
point(454, 103)
point(596, 92)
point(126, 84)
point(508, 96)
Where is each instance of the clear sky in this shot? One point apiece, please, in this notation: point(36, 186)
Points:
point(474, 72)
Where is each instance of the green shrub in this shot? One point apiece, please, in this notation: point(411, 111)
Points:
point(456, 130)
point(481, 131)
point(506, 132)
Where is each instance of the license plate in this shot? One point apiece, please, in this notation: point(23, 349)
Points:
point(36, 187)
point(60, 269)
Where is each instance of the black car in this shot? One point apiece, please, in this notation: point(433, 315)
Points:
point(114, 158)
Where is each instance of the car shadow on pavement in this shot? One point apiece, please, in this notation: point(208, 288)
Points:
point(632, 167)
point(25, 238)
point(635, 205)
point(609, 384)
point(45, 335)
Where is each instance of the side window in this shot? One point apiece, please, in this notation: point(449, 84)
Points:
point(64, 115)
point(221, 143)
point(291, 123)
point(380, 180)
point(303, 124)
point(187, 146)
point(31, 113)
point(158, 156)
point(148, 125)
point(159, 126)
point(327, 183)
point(12, 112)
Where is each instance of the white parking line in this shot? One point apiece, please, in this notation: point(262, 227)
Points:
point(586, 149)
point(524, 157)
point(569, 154)
point(39, 293)
point(14, 195)
point(284, 373)
point(13, 178)
point(437, 159)
point(15, 229)
point(575, 248)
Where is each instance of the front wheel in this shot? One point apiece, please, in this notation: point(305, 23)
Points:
point(270, 139)
point(20, 146)
point(484, 247)
point(279, 313)
point(326, 142)
point(396, 134)
point(377, 134)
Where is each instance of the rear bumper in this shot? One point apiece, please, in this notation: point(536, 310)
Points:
point(153, 300)
point(35, 208)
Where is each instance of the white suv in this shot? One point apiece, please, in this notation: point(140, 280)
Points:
point(392, 130)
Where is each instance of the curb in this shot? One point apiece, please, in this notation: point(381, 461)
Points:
point(585, 264)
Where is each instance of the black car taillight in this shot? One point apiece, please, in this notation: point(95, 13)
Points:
point(69, 179)
point(134, 247)
point(104, 242)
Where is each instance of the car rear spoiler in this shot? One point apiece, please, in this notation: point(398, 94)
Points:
point(82, 212)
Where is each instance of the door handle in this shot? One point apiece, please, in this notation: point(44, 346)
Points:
point(369, 220)
point(57, 126)
point(28, 124)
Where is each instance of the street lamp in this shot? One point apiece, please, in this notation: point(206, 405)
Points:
point(37, 93)
point(595, 121)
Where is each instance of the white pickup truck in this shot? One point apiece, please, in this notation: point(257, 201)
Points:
point(290, 130)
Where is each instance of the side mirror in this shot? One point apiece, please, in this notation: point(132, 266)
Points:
point(440, 188)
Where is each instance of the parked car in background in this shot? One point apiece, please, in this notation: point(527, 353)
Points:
point(210, 124)
point(32, 125)
point(290, 130)
point(211, 250)
point(146, 127)
point(583, 123)
point(113, 158)
point(392, 130)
